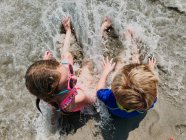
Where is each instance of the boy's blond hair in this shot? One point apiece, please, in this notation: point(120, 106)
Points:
point(135, 87)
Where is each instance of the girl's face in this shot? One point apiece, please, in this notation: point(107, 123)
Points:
point(66, 78)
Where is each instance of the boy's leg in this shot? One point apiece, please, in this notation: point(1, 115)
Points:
point(129, 36)
point(111, 44)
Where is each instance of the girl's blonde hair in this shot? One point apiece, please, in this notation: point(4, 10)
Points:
point(135, 87)
point(42, 79)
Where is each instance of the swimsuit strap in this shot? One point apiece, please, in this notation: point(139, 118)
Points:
point(64, 62)
point(65, 102)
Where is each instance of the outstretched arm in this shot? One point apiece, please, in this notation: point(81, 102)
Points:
point(108, 67)
point(66, 55)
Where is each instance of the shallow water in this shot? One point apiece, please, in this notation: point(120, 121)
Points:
point(29, 27)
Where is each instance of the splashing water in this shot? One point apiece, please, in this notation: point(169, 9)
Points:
point(28, 28)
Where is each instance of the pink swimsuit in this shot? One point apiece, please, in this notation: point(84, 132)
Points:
point(69, 98)
point(66, 102)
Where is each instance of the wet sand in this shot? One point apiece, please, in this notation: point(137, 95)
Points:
point(28, 28)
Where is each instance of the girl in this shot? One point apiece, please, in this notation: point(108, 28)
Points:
point(55, 82)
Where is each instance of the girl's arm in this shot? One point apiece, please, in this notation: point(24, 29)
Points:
point(66, 55)
point(83, 100)
point(108, 67)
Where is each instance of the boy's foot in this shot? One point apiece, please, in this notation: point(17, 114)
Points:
point(128, 35)
point(47, 55)
point(106, 25)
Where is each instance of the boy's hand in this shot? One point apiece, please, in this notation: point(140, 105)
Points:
point(151, 62)
point(108, 66)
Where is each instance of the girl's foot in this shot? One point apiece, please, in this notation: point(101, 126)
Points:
point(66, 24)
point(47, 55)
point(106, 25)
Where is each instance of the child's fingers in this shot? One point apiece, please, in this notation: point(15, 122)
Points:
point(111, 60)
point(103, 60)
point(113, 65)
point(107, 59)
point(154, 61)
point(102, 64)
point(149, 60)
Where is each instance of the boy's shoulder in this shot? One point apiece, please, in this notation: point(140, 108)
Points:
point(105, 95)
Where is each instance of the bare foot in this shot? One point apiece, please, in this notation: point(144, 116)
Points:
point(106, 24)
point(171, 138)
point(128, 35)
point(66, 24)
point(47, 55)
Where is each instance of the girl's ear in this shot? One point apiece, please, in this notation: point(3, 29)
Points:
point(51, 79)
point(50, 83)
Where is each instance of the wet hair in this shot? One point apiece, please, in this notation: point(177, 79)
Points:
point(135, 87)
point(42, 79)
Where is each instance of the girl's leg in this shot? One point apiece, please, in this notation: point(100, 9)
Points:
point(105, 26)
point(70, 43)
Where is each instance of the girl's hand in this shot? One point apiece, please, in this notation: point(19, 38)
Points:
point(151, 62)
point(108, 66)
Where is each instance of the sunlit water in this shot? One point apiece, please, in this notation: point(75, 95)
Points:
point(29, 27)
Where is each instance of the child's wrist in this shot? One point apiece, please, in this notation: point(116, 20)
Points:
point(105, 74)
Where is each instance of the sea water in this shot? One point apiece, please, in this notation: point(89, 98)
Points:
point(29, 27)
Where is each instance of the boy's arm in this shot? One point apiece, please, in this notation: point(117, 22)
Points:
point(102, 82)
point(108, 66)
point(66, 55)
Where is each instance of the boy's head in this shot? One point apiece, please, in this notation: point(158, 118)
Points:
point(135, 87)
point(42, 78)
